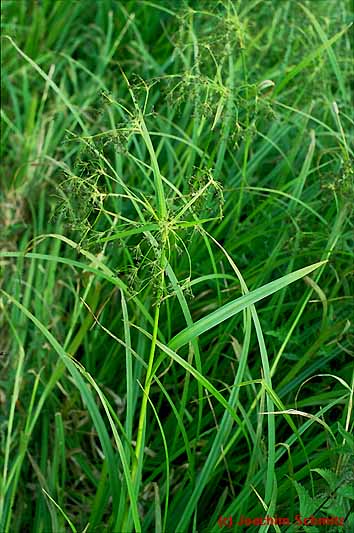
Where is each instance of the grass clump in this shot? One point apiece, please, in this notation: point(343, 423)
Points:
point(176, 265)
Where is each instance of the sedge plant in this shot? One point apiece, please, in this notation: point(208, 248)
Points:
point(176, 266)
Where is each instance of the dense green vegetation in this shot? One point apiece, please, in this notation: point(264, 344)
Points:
point(176, 265)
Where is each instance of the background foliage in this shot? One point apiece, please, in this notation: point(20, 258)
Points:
point(170, 170)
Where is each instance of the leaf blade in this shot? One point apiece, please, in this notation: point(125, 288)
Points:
point(232, 308)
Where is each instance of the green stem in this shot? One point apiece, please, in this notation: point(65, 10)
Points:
point(148, 379)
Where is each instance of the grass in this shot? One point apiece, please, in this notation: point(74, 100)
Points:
point(176, 266)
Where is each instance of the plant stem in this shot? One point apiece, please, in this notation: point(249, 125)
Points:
point(148, 379)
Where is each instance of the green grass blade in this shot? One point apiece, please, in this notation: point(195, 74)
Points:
point(94, 412)
point(230, 309)
point(308, 60)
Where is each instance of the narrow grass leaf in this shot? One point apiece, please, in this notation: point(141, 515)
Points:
point(94, 412)
point(308, 59)
point(232, 308)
